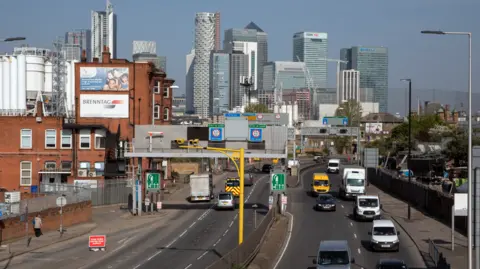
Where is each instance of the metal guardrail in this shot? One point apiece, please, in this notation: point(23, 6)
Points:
point(437, 256)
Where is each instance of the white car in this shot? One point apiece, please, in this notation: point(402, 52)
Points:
point(367, 207)
point(384, 236)
point(226, 200)
point(333, 166)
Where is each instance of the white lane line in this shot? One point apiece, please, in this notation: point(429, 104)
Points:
point(290, 229)
point(171, 243)
point(231, 223)
point(342, 206)
point(188, 266)
point(236, 216)
point(201, 256)
point(351, 224)
point(154, 255)
point(354, 235)
point(359, 252)
point(225, 233)
point(191, 225)
point(218, 241)
point(184, 232)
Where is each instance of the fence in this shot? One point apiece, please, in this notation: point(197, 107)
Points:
point(437, 256)
point(243, 254)
point(102, 193)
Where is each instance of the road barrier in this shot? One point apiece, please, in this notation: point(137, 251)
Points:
point(437, 256)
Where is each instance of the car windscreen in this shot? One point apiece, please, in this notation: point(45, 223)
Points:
point(384, 231)
point(356, 182)
point(333, 258)
point(233, 183)
point(224, 196)
point(320, 183)
point(332, 164)
point(392, 266)
point(325, 198)
point(368, 202)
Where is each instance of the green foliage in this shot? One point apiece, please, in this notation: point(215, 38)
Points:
point(256, 108)
point(457, 148)
point(352, 110)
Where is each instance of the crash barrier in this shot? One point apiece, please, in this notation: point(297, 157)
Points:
point(437, 256)
point(421, 196)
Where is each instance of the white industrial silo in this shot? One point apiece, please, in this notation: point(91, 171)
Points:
point(1, 81)
point(71, 104)
point(6, 82)
point(275, 109)
point(35, 73)
point(68, 86)
point(22, 82)
point(295, 111)
point(13, 83)
point(283, 108)
point(290, 114)
point(48, 76)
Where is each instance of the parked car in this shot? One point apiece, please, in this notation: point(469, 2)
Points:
point(266, 168)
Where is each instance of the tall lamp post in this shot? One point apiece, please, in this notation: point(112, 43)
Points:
point(11, 39)
point(248, 83)
point(409, 212)
point(470, 164)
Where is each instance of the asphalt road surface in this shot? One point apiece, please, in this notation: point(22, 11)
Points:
point(311, 227)
point(196, 237)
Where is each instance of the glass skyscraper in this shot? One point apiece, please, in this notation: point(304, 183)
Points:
point(220, 82)
point(287, 75)
point(372, 63)
point(312, 49)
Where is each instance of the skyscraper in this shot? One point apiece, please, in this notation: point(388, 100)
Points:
point(349, 86)
point(287, 75)
point(312, 48)
point(104, 32)
point(205, 28)
point(220, 82)
point(189, 82)
point(262, 53)
point(147, 51)
point(239, 66)
point(75, 42)
point(218, 32)
point(372, 63)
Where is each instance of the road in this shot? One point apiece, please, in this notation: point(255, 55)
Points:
point(311, 227)
point(196, 236)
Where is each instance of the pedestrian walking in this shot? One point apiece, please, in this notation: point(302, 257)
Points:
point(37, 225)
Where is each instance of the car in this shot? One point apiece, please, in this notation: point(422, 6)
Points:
point(334, 254)
point(266, 168)
point(325, 202)
point(248, 179)
point(225, 200)
point(367, 207)
point(384, 236)
point(333, 166)
point(391, 264)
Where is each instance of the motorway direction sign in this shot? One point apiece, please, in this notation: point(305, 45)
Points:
point(277, 182)
point(215, 133)
point(257, 126)
point(216, 125)
point(153, 181)
point(335, 121)
point(370, 157)
point(232, 115)
point(255, 135)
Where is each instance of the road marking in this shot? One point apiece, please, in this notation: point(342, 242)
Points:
point(201, 256)
point(236, 216)
point(218, 241)
point(188, 266)
point(225, 233)
point(290, 229)
point(231, 223)
point(351, 224)
point(342, 206)
point(354, 235)
point(191, 225)
point(184, 232)
point(171, 243)
point(154, 255)
point(359, 252)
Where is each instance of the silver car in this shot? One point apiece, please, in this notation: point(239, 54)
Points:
point(225, 200)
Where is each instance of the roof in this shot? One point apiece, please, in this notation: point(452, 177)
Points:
point(368, 197)
point(335, 245)
point(390, 261)
point(320, 174)
point(253, 26)
point(334, 160)
point(383, 223)
point(381, 117)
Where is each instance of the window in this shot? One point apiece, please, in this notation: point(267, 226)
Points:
point(66, 166)
point(66, 141)
point(166, 92)
point(25, 173)
point(84, 139)
point(100, 139)
point(50, 139)
point(156, 112)
point(99, 169)
point(166, 113)
point(26, 139)
point(50, 165)
point(156, 90)
point(85, 165)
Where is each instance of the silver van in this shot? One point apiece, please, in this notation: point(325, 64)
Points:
point(334, 254)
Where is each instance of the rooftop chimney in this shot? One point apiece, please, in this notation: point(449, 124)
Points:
point(84, 56)
point(105, 55)
point(39, 107)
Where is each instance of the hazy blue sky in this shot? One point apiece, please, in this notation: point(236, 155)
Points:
point(433, 62)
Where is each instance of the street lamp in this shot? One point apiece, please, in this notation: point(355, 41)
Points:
point(11, 39)
point(409, 138)
point(470, 165)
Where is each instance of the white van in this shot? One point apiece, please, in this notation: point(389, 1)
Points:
point(367, 207)
point(333, 166)
point(353, 182)
point(384, 236)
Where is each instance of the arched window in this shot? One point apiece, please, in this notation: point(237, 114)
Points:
point(166, 114)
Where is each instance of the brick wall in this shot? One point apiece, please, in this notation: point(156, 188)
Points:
point(13, 228)
point(185, 168)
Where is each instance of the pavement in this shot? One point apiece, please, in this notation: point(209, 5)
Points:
point(311, 227)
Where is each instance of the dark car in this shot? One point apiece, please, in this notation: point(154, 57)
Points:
point(391, 264)
point(266, 168)
point(325, 202)
point(248, 179)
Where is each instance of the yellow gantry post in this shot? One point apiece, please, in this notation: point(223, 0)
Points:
point(242, 201)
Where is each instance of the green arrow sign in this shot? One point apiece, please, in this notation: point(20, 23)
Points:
point(257, 126)
point(153, 181)
point(278, 182)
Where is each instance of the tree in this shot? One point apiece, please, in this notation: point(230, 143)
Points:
point(256, 108)
point(457, 148)
point(352, 110)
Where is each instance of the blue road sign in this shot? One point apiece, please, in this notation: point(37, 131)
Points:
point(325, 121)
point(249, 114)
point(255, 135)
point(232, 115)
point(345, 121)
point(336, 121)
point(215, 134)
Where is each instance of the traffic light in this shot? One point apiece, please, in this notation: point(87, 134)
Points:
point(193, 142)
point(180, 141)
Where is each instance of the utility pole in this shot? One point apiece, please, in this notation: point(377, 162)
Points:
point(248, 83)
point(409, 156)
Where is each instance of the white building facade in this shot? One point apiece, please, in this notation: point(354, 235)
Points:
point(104, 32)
point(189, 82)
point(349, 86)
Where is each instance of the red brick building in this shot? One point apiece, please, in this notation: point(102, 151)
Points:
point(90, 145)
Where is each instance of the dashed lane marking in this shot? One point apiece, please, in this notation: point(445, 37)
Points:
point(359, 251)
point(182, 234)
point(342, 206)
point(201, 256)
point(188, 266)
point(354, 235)
point(231, 223)
point(351, 224)
point(225, 233)
point(218, 241)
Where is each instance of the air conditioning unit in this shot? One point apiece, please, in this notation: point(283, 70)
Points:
point(82, 172)
point(92, 174)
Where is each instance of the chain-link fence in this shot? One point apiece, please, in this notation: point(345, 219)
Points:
point(102, 193)
point(242, 255)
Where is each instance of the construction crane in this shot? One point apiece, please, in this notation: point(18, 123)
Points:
point(338, 72)
point(310, 85)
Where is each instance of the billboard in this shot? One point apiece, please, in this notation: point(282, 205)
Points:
point(373, 128)
point(104, 106)
point(104, 79)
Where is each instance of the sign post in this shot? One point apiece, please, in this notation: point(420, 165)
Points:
point(255, 206)
point(61, 202)
point(277, 182)
point(26, 224)
point(459, 208)
point(153, 182)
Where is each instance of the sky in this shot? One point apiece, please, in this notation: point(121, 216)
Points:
point(432, 62)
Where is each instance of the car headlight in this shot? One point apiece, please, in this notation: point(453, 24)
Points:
point(377, 212)
point(374, 241)
point(359, 211)
point(396, 241)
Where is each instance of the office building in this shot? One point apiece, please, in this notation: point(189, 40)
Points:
point(372, 63)
point(262, 52)
point(349, 86)
point(104, 32)
point(239, 66)
point(77, 41)
point(146, 51)
point(284, 76)
point(312, 49)
point(220, 82)
point(189, 82)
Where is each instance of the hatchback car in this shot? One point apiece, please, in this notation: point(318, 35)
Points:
point(266, 168)
point(325, 202)
point(248, 179)
point(226, 200)
point(391, 264)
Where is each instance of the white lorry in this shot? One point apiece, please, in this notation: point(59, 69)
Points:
point(353, 182)
point(201, 188)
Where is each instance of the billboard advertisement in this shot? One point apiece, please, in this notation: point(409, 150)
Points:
point(104, 79)
point(374, 128)
point(104, 106)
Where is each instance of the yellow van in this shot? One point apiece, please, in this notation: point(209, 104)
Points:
point(320, 184)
